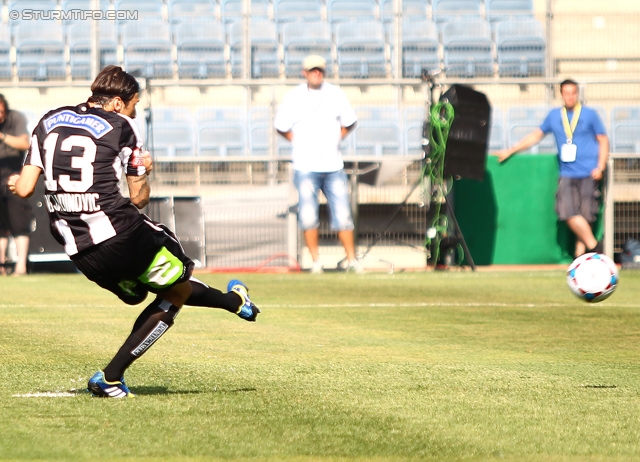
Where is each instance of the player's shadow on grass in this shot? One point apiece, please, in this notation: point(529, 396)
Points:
point(158, 390)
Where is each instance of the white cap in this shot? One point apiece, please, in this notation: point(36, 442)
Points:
point(314, 62)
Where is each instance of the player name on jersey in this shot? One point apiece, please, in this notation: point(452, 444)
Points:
point(65, 202)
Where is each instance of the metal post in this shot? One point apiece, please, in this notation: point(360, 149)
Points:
point(608, 210)
point(95, 42)
point(397, 22)
point(246, 39)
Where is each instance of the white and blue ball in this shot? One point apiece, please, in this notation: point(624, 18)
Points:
point(592, 277)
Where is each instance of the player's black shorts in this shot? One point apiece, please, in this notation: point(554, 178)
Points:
point(16, 215)
point(147, 258)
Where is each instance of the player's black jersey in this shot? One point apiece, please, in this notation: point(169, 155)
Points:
point(83, 152)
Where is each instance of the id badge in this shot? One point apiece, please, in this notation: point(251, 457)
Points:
point(568, 152)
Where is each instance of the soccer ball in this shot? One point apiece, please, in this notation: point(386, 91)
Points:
point(592, 277)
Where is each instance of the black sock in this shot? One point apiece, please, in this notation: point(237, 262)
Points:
point(152, 323)
point(203, 295)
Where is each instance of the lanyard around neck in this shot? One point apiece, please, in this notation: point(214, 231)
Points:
point(570, 128)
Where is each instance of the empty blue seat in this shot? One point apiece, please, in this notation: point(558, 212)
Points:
point(200, 46)
point(625, 129)
point(413, 121)
point(498, 134)
point(265, 61)
point(296, 10)
point(349, 10)
point(445, 10)
point(173, 139)
point(262, 134)
point(153, 9)
point(521, 48)
point(222, 139)
point(523, 120)
point(378, 131)
point(419, 47)
point(361, 49)
point(412, 10)
point(231, 10)
point(74, 10)
point(220, 113)
point(301, 39)
point(20, 6)
point(147, 48)
point(79, 40)
point(186, 10)
point(40, 50)
point(499, 10)
point(5, 53)
point(467, 48)
point(377, 138)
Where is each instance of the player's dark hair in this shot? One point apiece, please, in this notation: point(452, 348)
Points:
point(567, 82)
point(113, 81)
point(4, 101)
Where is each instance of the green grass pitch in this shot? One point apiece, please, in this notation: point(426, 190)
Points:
point(339, 367)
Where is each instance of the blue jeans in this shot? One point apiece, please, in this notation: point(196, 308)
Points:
point(335, 187)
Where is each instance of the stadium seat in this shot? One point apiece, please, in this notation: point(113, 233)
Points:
point(222, 139)
point(172, 131)
point(81, 5)
point(21, 5)
point(499, 10)
point(377, 138)
point(187, 10)
point(148, 9)
point(296, 10)
point(200, 48)
point(5, 53)
point(467, 48)
point(419, 47)
point(173, 139)
point(625, 129)
point(79, 40)
point(147, 48)
point(497, 135)
point(412, 10)
point(40, 50)
point(262, 134)
point(521, 48)
point(361, 49)
point(522, 120)
point(413, 121)
point(265, 61)
point(446, 10)
point(378, 131)
point(231, 10)
point(301, 39)
point(350, 10)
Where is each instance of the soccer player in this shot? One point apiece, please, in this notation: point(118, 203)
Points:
point(83, 151)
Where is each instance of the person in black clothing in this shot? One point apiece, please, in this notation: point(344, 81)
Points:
point(83, 151)
point(16, 215)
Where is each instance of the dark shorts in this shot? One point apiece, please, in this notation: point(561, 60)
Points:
point(577, 196)
point(147, 258)
point(16, 215)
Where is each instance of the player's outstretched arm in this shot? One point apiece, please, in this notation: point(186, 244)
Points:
point(24, 184)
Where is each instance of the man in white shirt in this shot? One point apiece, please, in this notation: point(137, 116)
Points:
point(316, 116)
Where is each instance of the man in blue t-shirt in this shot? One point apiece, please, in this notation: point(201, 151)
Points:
point(583, 150)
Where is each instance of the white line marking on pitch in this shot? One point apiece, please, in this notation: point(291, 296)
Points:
point(48, 394)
